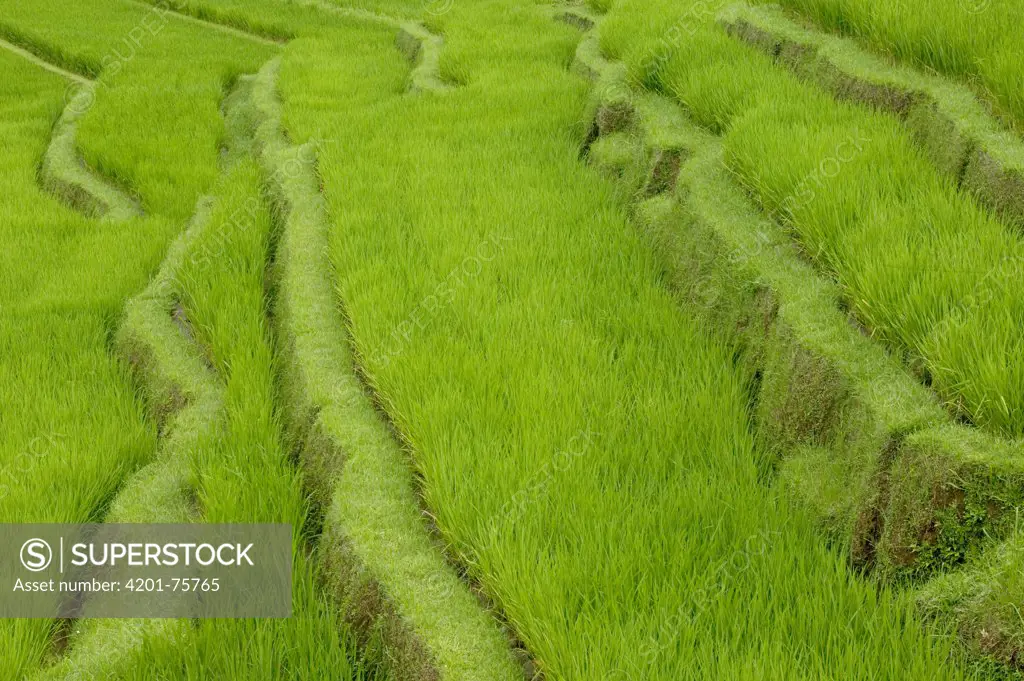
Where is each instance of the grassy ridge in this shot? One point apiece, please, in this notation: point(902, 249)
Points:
point(63, 173)
point(223, 457)
point(287, 19)
point(78, 429)
point(859, 439)
point(922, 266)
point(581, 444)
point(946, 119)
point(154, 127)
point(416, 619)
point(244, 475)
point(157, 128)
point(984, 601)
point(968, 38)
point(155, 123)
point(184, 399)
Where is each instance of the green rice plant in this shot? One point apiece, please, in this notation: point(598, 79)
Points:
point(910, 500)
point(245, 475)
point(154, 124)
point(838, 411)
point(78, 429)
point(111, 646)
point(285, 19)
point(61, 171)
point(947, 120)
point(583, 448)
point(70, 179)
point(251, 16)
point(185, 400)
point(584, 451)
point(223, 22)
point(968, 38)
point(223, 456)
point(307, 17)
point(922, 266)
point(416, 619)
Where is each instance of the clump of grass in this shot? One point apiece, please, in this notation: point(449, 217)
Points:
point(983, 600)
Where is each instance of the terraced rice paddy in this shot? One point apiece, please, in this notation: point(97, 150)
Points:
point(630, 340)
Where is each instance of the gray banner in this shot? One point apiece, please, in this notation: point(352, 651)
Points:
point(148, 571)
